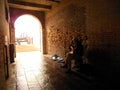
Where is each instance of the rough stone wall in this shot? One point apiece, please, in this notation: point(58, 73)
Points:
point(99, 20)
point(63, 26)
point(102, 24)
point(15, 13)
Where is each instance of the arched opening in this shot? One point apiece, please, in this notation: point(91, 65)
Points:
point(28, 34)
point(28, 37)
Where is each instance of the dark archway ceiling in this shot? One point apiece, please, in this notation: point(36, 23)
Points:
point(39, 5)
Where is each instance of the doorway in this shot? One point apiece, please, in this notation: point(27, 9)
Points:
point(28, 40)
point(28, 34)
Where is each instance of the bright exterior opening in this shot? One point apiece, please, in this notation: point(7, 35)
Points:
point(28, 33)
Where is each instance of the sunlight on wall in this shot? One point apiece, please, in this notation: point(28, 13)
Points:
point(30, 27)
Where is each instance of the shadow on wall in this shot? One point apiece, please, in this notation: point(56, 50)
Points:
point(99, 56)
point(104, 69)
point(101, 63)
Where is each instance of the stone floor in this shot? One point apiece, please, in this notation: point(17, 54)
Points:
point(34, 71)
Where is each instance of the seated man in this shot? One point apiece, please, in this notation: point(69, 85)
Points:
point(75, 53)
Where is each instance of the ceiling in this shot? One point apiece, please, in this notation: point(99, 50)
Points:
point(39, 5)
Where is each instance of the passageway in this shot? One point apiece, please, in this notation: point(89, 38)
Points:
point(26, 48)
point(34, 71)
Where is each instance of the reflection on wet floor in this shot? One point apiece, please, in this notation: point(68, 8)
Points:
point(28, 64)
point(34, 71)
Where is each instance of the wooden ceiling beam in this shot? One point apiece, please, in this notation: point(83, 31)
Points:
point(29, 4)
point(58, 1)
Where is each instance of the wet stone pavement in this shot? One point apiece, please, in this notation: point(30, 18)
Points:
point(34, 71)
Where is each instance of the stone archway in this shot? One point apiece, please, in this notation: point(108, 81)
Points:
point(28, 30)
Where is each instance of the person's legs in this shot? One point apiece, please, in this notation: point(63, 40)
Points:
point(68, 62)
point(78, 60)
